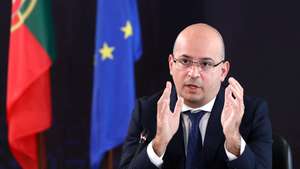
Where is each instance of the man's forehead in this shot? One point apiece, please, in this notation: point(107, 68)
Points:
point(207, 51)
point(200, 39)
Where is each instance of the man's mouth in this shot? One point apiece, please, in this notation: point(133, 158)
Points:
point(192, 86)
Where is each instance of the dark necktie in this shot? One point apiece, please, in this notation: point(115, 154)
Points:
point(194, 147)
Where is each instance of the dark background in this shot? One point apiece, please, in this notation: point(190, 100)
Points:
point(262, 41)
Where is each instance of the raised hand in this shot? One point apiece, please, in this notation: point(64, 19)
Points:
point(167, 122)
point(232, 115)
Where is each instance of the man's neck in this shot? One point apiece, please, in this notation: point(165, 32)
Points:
point(206, 107)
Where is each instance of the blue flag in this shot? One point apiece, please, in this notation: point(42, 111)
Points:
point(118, 46)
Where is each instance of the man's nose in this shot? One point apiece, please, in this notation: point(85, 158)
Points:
point(194, 71)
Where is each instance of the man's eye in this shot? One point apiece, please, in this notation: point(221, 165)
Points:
point(185, 61)
point(206, 64)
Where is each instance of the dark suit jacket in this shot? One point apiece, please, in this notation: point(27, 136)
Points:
point(255, 130)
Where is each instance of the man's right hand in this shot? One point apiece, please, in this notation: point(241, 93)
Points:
point(167, 122)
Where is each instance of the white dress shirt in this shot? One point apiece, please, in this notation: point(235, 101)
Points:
point(157, 161)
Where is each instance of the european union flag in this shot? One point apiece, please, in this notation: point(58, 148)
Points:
point(118, 46)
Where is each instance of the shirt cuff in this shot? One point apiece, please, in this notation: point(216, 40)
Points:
point(154, 158)
point(232, 156)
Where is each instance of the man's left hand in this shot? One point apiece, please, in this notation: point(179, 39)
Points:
point(232, 115)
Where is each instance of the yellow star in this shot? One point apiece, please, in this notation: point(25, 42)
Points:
point(127, 29)
point(106, 51)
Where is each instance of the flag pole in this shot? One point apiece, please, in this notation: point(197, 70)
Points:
point(41, 149)
point(110, 159)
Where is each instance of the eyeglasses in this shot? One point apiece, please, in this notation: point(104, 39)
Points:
point(205, 65)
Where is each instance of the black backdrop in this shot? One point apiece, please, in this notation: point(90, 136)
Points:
point(262, 41)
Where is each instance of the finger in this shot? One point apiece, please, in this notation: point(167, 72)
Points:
point(161, 111)
point(227, 104)
point(236, 93)
point(178, 106)
point(230, 99)
point(238, 98)
point(237, 106)
point(227, 94)
point(236, 84)
point(236, 88)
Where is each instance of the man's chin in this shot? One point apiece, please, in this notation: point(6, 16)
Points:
point(193, 94)
point(193, 98)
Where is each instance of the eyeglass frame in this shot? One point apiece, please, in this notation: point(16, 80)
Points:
point(196, 63)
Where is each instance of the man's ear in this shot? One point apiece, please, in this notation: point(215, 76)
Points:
point(224, 70)
point(171, 64)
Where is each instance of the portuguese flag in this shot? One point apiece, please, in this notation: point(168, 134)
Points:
point(31, 53)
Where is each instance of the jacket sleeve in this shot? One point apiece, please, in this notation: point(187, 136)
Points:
point(134, 153)
point(258, 150)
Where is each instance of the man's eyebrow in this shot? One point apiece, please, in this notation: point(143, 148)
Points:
point(207, 59)
point(190, 57)
point(186, 56)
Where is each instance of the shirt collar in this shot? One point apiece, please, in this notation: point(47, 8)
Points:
point(207, 107)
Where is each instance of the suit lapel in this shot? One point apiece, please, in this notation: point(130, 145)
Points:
point(175, 155)
point(214, 137)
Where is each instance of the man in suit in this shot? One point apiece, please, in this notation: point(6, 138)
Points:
point(199, 123)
